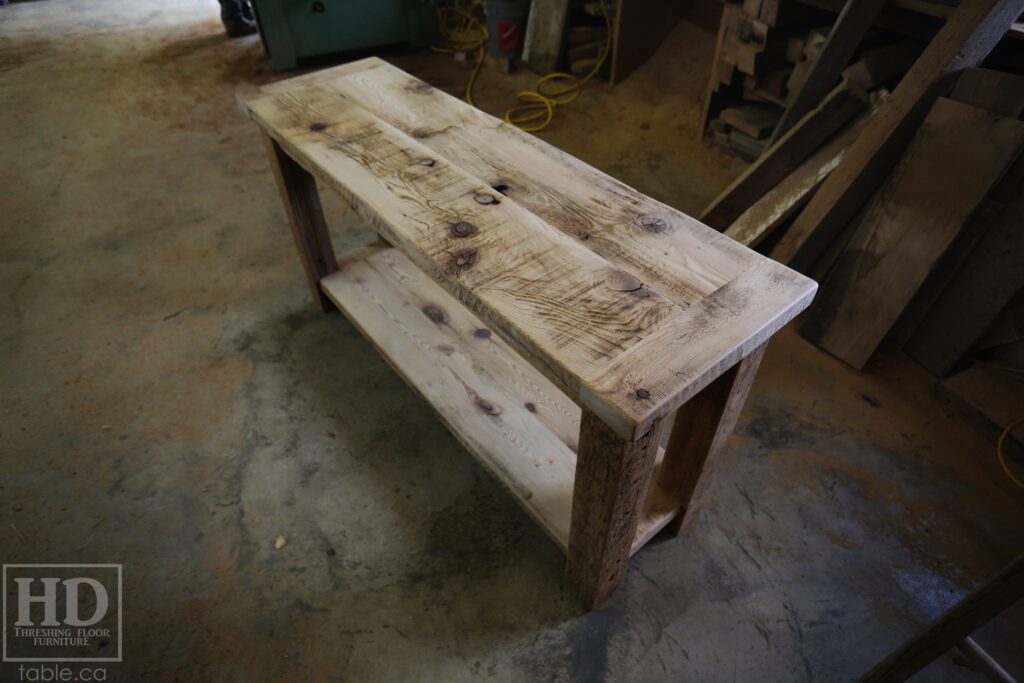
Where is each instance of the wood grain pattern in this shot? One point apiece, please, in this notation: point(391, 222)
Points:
point(306, 218)
point(701, 430)
point(909, 224)
point(612, 479)
point(967, 37)
point(539, 245)
point(779, 160)
point(502, 410)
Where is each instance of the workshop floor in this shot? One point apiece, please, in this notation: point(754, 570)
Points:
point(171, 400)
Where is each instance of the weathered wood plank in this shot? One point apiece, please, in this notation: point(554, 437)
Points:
point(542, 45)
point(847, 32)
point(756, 120)
point(506, 413)
point(966, 38)
point(983, 284)
point(959, 153)
point(571, 309)
point(612, 478)
point(779, 160)
point(759, 221)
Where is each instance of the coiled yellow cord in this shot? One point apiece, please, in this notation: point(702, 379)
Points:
point(537, 104)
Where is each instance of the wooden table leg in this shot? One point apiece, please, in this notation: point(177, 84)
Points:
point(702, 428)
point(612, 478)
point(301, 201)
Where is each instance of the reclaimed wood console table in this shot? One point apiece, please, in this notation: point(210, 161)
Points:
point(552, 316)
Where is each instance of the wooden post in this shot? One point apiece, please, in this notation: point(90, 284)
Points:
point(302, 203)
point(702, 427)
point(612, 478)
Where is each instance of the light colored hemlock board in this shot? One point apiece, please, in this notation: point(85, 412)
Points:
point(506, 413)
point(627, 305)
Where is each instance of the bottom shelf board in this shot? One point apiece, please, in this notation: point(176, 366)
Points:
point(509, 416)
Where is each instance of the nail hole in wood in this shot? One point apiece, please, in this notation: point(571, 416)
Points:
point(500, 188)
point(425, 161)
point(529, 405)
point(485, 199)
point(482, 333)
point(584, 236)
point(317, 126)
point(643, 393)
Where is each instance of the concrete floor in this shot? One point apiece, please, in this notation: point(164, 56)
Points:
point(171, 400)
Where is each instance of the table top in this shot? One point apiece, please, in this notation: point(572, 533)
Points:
point(628, 305)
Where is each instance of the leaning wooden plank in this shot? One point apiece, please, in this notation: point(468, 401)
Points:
point(957, 156)
point(996, 91)
point(967, 37)
point(542, 45)
point(508, 266)
point(507, 415)
point(851, 25)
point(982, 286)
point(780, 159)
point(759, 221)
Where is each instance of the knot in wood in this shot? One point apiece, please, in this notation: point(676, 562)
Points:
point(643, 394)
point(529, 405)
point(435, 313)
point(462, 229)
point(464, 258)
point(655, 224)
point(488, 407)
point(621, 281)
point(485, 199)
point(426, 161)
point(317, 126)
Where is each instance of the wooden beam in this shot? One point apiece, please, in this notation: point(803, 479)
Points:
point(959, 153)
point(542, 45)
point(996, 91)
point(851, 25)
point(963, 619)
point(713, 76)
point(779, 160)
point(967, 37)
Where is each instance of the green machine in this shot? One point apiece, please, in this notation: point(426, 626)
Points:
point(293, 30)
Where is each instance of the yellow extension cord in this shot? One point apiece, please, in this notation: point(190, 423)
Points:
point(534, 104)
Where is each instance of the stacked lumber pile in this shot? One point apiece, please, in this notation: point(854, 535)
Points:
point(906, 206)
